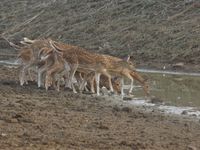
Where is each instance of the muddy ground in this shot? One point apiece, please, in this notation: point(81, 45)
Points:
point(31, 118)
point(157, 33)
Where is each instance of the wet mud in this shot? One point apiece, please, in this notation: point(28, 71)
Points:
point(32, 118)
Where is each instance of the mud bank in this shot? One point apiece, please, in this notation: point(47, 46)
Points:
point(32, 118)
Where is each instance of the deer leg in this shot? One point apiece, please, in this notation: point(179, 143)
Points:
point(29, 74)
point(47, 80)
point(49, 74)
point(54, 80)
point(58, 72)
point(66, 79)
point(66, 75)
point(92, 84)
point(58, 85)
point(131, 88)
point(26, 76)
point(40, 74)
point(81, 81)
point(85, 88)
point(90, 78)
point(82, 85)
point(122, 87)
point(22, 76)
point(109, 81)
point(73, 70)
point(97, 77)
point(131, 85)
point(110, 84)
point(39, 78)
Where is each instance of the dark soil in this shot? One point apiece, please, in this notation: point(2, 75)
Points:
point(156, 32)
point(33, 118)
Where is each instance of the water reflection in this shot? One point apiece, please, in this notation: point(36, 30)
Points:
point(177, 90)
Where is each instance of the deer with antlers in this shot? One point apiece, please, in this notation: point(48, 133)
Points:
point(45, 58)
point(78, 59)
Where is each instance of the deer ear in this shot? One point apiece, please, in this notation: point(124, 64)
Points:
point(128, 58)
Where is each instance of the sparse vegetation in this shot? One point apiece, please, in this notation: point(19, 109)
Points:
point(154, 31)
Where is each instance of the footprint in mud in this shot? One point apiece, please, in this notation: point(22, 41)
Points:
point(8, 82)
point(21, 118)
point(124, 109)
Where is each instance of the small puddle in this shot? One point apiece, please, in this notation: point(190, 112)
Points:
point(174, 92)
point(173, 89)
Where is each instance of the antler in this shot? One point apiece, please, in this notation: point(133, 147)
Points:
point(27, 40)
point(55, 47)
point(24, 43)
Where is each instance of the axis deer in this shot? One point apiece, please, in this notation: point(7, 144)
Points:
point(23, 57)
point(105, 83)
point(80, 59)
point(90, 82)
point(55, 66)
point(125, 68)
point(39, 53)
point(28, 56)
point(75, 54)
point(99, 64)
point(87, 80)
point(83, 60)
point(32, 60)
point(50, 54)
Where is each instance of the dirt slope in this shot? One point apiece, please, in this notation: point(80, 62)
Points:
point(155, 32)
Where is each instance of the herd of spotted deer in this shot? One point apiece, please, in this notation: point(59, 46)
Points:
point(56, 61)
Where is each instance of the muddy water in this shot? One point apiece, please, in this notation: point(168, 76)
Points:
point(176, 89)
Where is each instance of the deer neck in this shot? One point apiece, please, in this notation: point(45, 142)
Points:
point(139, 78)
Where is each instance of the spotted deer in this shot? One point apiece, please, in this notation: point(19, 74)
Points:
point(28, 56)
point(55, 67)
point(32, 59)
point(125, 68)
point(102, 64)
point(83, 60)
point(80, 59)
